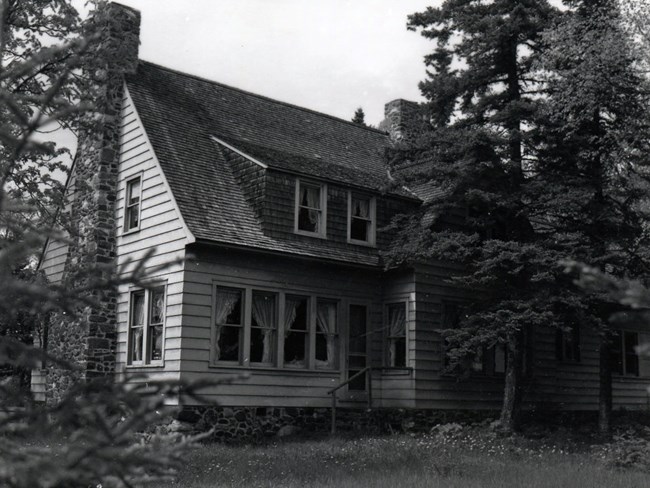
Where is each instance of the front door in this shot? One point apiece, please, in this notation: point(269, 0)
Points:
point(357, 346)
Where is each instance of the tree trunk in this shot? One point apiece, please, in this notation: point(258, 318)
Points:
point(605, 394)
point(510, 410)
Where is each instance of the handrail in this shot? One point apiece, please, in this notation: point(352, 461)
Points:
point(368, 372)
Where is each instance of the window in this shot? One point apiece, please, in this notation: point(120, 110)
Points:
point(146, 324)
point(326, 334)
point(311, 214)
point(132, 204)
point(361, 219)
point(623, 356)
point(486, 360)
point(567, 344)
point(229, 324)
point(296, 326)
point(396, 334)
point(263, 328)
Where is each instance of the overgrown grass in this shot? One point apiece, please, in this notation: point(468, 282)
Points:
point(454, 457)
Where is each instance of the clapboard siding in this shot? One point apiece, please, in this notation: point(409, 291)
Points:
point(161, 229)
point(281, 386)
point(553, 383)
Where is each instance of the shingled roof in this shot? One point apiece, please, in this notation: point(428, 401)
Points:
point(182, 113)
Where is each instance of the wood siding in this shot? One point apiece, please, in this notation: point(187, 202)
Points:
point(161, 229)
point(278, 386)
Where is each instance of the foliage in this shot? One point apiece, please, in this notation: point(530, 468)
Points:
point(50, 65)
point(359, 117)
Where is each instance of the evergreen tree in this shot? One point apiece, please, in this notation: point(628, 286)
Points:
point(359, 117)
point(590, 185)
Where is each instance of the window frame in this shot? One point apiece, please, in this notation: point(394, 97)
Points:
point(280, 336)
point(127, 207)
point(146, 360)
point(388, 339)
point(623, 372)
point(242, 326)
point(322, 231)
point(372, 210)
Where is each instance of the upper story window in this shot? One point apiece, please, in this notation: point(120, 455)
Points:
point(311, 208)
point(361, 219)
point(132, 204)
point(146, 324)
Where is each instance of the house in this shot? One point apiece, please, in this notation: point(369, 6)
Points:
point(278, 213)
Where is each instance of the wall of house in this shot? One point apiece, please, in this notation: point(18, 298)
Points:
point(276, 386)
point(553, 384)
point(162, 233)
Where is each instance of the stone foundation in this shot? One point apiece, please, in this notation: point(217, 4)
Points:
point(254, 424)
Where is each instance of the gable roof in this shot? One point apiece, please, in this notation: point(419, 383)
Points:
point(182, 113)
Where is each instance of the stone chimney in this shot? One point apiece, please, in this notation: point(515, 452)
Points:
point(89, 339)
point(403, 120)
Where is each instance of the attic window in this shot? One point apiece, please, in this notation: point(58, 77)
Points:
point(361, 219)
point(311, 211)
point(132, 204)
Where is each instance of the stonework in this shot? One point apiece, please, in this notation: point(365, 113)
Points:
point(404, 121)
point(255, 424)
point(88, 338)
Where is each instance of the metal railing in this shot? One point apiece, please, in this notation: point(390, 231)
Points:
point(368, 372)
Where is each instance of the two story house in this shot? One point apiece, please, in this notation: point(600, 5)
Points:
point(272, 217)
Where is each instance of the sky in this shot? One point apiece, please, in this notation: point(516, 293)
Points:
point(328, 55)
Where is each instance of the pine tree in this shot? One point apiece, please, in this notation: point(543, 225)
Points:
point(590, 186)
point(481, 96)
point(359, 117)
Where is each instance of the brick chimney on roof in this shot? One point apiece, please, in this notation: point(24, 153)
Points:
point(404, 120)
point(89, 338)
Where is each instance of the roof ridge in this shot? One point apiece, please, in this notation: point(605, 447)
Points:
point(264, 97)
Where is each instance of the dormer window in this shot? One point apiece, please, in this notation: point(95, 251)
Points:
point(311, 212)
point(132, 204)
point(361, 219)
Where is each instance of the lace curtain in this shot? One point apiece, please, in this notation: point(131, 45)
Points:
point(138, 326)
point(311, 198)
point(361, 208)
point(396, 329)
point(326, 322)
point(264, 315)
point(226, 301)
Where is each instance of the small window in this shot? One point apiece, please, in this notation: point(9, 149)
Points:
point(361, 219)
point(132, 204)
point(296, 336)
point(229, 325)
point(310, 208)
point(396, 334)
point(567, 344)
point(146, 326)
point(623, 356)
point(263, 328)
point(326, 334)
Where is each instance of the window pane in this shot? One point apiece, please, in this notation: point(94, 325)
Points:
point(155, 338)
point(361, 207)
point(137, 315)
point(229, 306)
point(357, 329)
point(132, 216)
point(398, 352)
point(360, 230)
point(631, 358)
point(136, 343)
point(309, 196)
point(309, 220)
point(229, 339)
point(296, 339)
point(264, 325)
point(133, 191)
point(157, 306)
point(262, 345)
point(295, 346)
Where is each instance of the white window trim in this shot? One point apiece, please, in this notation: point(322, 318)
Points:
point(373, 221)
point(138, 176)
point(322, 232)
point(146, 353)
point(278, 364)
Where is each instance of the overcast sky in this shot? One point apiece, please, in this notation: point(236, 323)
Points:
point(328, 55)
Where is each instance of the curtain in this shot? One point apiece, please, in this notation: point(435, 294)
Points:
point(311, 199)
point(326, 322)
point(226, 301)
point(138, 309)
point(290, 306)
point(396, 321)
point(158, 305)
point(361, 208)
point(264, 315)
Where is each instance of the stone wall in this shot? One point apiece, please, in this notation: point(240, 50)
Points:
point(404, 121)
point(255, 424)
point(87, 338)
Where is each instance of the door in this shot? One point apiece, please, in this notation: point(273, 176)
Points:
point(357, 346)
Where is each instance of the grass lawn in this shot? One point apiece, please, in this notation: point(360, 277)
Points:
point(448, 459)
